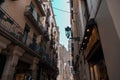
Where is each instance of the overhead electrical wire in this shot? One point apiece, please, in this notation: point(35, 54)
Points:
point(61, 10)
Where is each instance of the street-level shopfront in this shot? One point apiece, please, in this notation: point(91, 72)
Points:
point(23, 71)
point(96, 63)
point(93, 52)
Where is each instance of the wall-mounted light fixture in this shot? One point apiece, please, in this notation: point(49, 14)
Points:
point(68, 34)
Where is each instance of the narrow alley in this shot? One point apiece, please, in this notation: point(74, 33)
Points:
point(64, 64)
point(59, 39)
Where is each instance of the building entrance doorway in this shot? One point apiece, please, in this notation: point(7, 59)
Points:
point(23, 71)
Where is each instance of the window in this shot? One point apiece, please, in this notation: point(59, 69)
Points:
point(31, 7)
point(25, 33)
point(52, 25)
point(86, 14)
point(72, 47)
point(34, 37)
point(48, 12)
point(38, 17)
point(2, 63)
point(1, 14)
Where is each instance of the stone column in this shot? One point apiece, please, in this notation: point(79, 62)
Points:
point(3, 43)
point(12, 60)
point(34, 68)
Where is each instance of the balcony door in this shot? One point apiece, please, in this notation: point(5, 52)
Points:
point(25, 33)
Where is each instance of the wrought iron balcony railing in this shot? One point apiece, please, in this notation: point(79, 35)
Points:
point(32, 15)
point(35, 47)
point(46, 35)
point(10, 27)
point(47, 58)
point(49, 61)
point(14, 32)
point(40, 6)
point(47, 21)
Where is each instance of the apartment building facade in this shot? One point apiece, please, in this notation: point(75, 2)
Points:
point(64, 59)
point(77, 33)
point(28, 39)
point(99, 43)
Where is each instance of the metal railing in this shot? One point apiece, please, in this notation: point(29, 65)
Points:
point(46, 35)
point(9, 25)
point(33, 16)
point(35, 47)
point(31, 11)
point(49, 61)
point(47, 58)
point(41, 7)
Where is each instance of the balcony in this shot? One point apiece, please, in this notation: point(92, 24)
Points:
point(9, 25)
point(47, 21)
point(35, 47)
point(40, 6)
point(13, 31)
point(46, 36)
point(32, 15)
point(48, 62)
